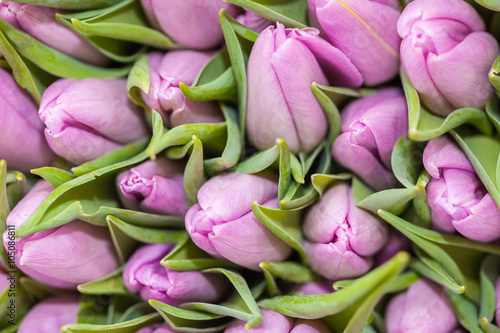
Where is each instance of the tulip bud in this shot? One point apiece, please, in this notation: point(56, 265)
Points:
point(165, 96)
point(22, 143)
point(422, 308)
point(191, 23)
point(41, 23)
point(365, 31)
point(316, 288)
point(89, 118)
point(371, 126)
point(280, 101)
point(144, 273)
point(456, 196)
point(154, 187)
point(62, 257)
point(446, 54)
point(165, 328)
point(395, 243)
point(51, 314)
point(278, 323)
point(341, 237)
point(225, 226)
point(253, 21)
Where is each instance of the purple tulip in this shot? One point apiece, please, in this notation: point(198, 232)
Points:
point(144, 273)
point(22, 143)
point(253, 21)
point(223, 224)
point(395, 243)
point(165, 96)
point(280, 101)
point(456, 196)
point(164, 328)
point(422, 308)
point(371, 126)
point(365, 31)
point(62, 257)
point(51, 314)
point(41, 23)
point(278, 323)
point(89, 118)
point(316, 288)
point(154, 187)
point(341, 238)
point(446, 54)
point(192, 23)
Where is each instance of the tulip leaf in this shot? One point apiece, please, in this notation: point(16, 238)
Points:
point(186, 256)
point(406, 161)
point(121, 307)
point(147, 235)
point(489, 273)
point(232, 151)
point(488, 327)
point(322, 182)
point(271, 285)
point(241, 286)
point(72, 4)
point(4, 203)
point(490, 4)
point(423, 125)
point(111, 284)
point(493, 112)
point(494, 75)
point(285, 224)
point(318, 306)
point(54, 176)
point(260, 161)
point(289, 271)
point(53, 61)
point(139, 80)
point(124, 244)
point(292, 13)
point(332, 112)
point(130, 326)
point(93, 310)
point(404, 281)
point(285, 171)
point(194, 176)
point(466, 312)
point(189, 321)
point(433, 271)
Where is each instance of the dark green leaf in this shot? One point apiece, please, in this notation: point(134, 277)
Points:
point(489, 273)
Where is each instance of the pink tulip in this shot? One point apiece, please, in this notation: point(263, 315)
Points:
point(51, 314)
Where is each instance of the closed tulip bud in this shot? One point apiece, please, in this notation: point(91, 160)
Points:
point(154, 187)
point(143, 273)
point(447, 54)
point(280, 101)
point(225, 226)
point(51, 314)
point(191, 23)
point(278, 323)
point(62, 257)
point(341, 238)
point(165, 328)
point(316, 288)
point(41, 23)
point(456, 196)
point(89, 118)
point(371, 126)
point(22, 143)
point(366, 31)
point(423, 308)
point(253, 21)
point(166, 72)
point(395, 243)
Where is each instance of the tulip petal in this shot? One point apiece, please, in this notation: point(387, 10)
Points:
point(272, 322)
point(309, 326)
point(483, 224)
point(441, 153)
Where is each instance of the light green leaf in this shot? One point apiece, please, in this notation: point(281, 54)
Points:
point(194, 175)
point(494, 75)
point(322, 182)
point(72, 4)
point(93, 310)
point(260, 161)
point(138, 80)
point(124, 244)
point(434, 271)
point(291, 13)
point(111, 284)
point(488, 327)
point(489, 273)
point(493, 112)
point(289, 271)
point(147, 235)
point(331, 111)
point(490, 4)
point(130, 326)
point(54, 176)
point(466, 312)
point(404, 281)
point(406, 161)
point(272, 286)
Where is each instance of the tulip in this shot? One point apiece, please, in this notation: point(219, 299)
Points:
point(62, 257)
point(253, 21)
point(278, 323)
point(22, 143)
point(280, 101)
point(422, 308)
point(341, 238)
point(395, 243)
point(165, 96)
point(41, 23)
point(225, 226)
point(192, 23)
point(165, 328)
point(89, 118)
point(51, 314)
point(154, 187)
point(371, 126)
point(456, 196)
point(446, 54)
point(143, 273)
point(316, 288)
point(365, 31)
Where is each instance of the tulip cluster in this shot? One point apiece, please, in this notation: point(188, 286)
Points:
point(225, 166)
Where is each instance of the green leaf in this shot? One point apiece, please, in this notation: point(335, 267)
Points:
point(54, 176)
point(72, 4)
point(111, 284)
point(493, 112)
point(466, 312)
point(322, 182)
point(130, 326)
point(53, 61)
point(147, 235)
point(490, 4)
point(272, 286)
point(260, 161)
point(318, 306)
point(139, 80)
point(489, 273)
point(434, 271)
point(283, 223)
point(285, 171)
point(124, 244)
point(291, 13)
point(194, 175)
point(93, 310)
point(495, 75)
point(393, 200)
point(404, 281)
point(406, 161)
point(488, 327)
point(331, 111)
point(289, 271)
point(423, 125)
